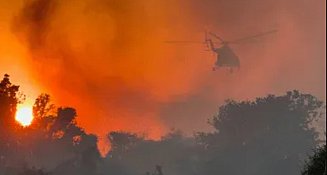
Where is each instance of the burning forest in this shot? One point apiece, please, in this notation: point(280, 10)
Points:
point(164, 87)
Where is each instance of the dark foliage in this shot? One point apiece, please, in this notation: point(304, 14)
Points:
point(9, 98)
point(316, 165)
point(270, 135)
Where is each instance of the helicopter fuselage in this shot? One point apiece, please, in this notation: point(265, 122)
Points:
point(226, 57)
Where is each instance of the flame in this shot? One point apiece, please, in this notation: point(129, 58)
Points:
point(24, 115)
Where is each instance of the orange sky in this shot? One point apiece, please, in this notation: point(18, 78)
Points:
point(108, 59)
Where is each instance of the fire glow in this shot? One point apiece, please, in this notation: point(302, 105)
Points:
point(24, 115)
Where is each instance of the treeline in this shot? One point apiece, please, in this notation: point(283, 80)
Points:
point(269, 135)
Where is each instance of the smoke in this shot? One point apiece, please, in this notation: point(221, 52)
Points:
point(293, 58)
point(99, 56)
point(107, 57)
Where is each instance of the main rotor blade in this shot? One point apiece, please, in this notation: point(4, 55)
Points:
point(192, 42)
point(186, 42)
point(253, 36)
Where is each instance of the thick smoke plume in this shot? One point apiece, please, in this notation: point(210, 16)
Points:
point(107, 58)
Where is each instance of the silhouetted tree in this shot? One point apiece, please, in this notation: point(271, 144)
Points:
point(8, 101)
point(270, 135)
point(9, 98)
point(54, 141)
point(176, 153)
point(42, 106)
point(316, 165)
point(122, 141)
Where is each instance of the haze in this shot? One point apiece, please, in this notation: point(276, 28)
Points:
point(108, 58)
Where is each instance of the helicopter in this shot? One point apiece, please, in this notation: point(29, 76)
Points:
point(225, 56)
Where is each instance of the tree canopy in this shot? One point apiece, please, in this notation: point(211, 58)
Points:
point(272, 133)
point(268, 135)
point(316, 164)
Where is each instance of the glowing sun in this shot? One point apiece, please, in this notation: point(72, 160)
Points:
point(24, 115)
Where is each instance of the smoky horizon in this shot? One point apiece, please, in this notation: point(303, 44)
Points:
point(104, 83)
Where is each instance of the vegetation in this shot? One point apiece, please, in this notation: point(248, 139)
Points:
point(317, 162)
point(270, 135)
